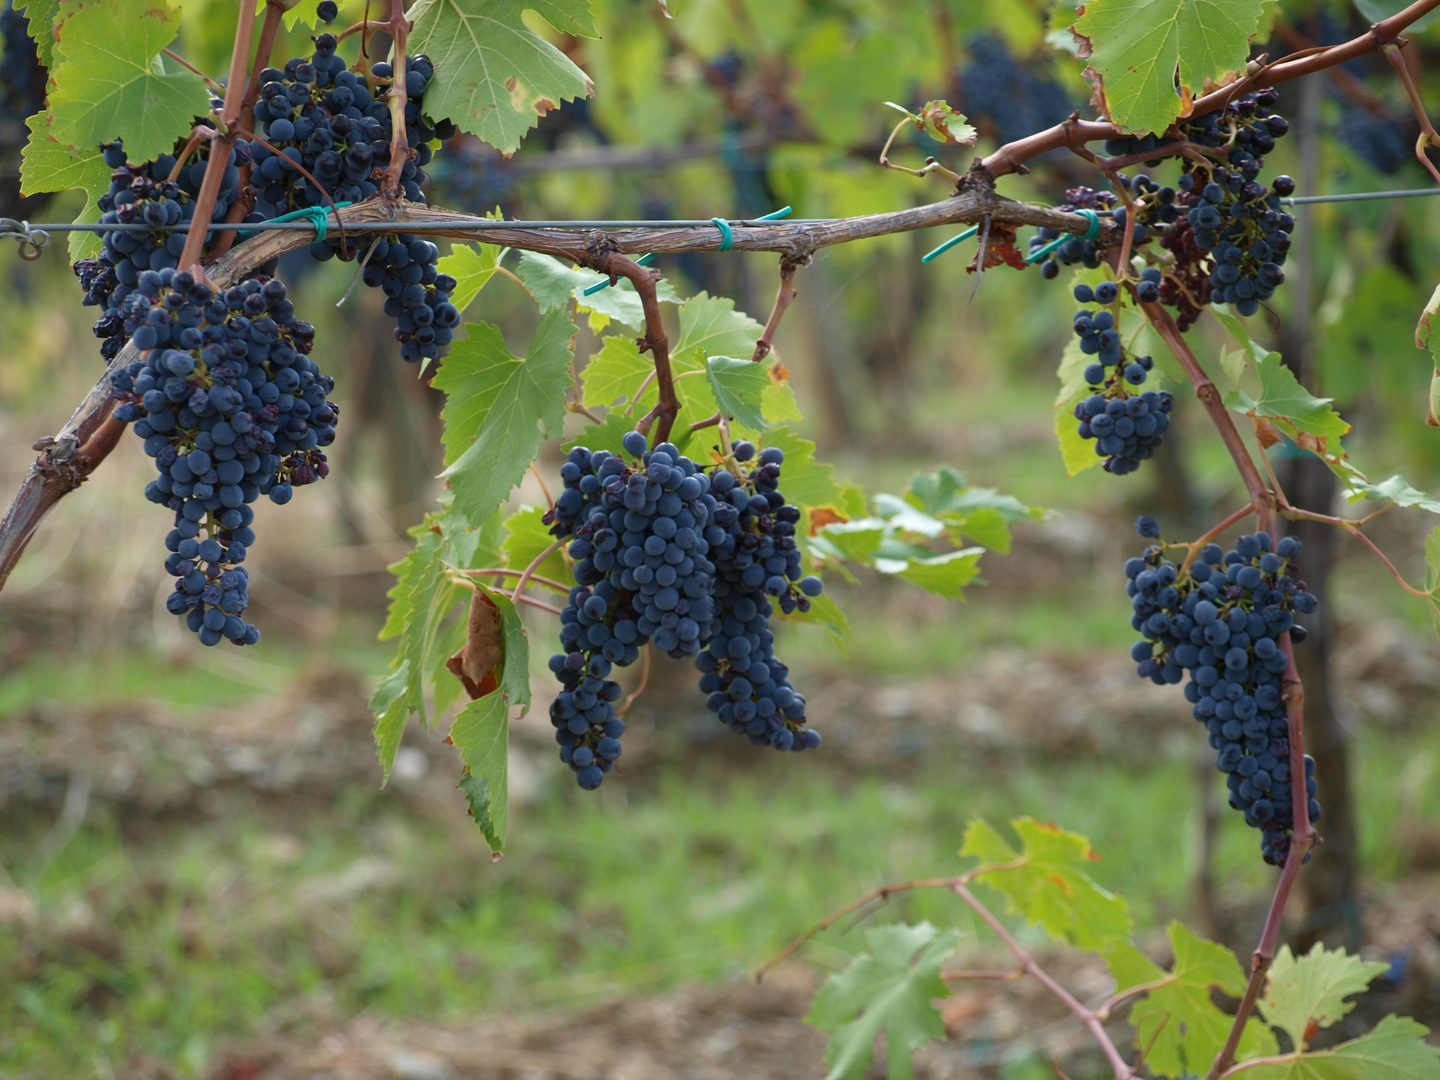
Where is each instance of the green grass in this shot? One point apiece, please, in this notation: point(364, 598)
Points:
point(213, 930)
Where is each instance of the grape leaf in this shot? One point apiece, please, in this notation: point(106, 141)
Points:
point(806, 482)
point(1177, 1025)
point(1394, 1050)
point(609, 435)
point(890, 988)
point(1283, 398)
point(614, 374)
point(739, 387)
point(1313, 989)
point(472, 266)
point(498, 409)
point(106, 85)
point(494, 76)
point(1048, 886)
point(527, 537)
point(856, 540)
point(41, 19)
point(907, 517)
point(825, 612)
point(52, 166)
point(553, 283)
point(945, 575)
point(778, 402)
point(1139, 47)
point(391, 705)
point(1077, 453)
point(1397, 489)
point(941, 121)
point(713, 325)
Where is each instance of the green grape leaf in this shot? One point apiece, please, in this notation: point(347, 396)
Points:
point(609, 435)
point(499, 409)
point(1177, 1025)
point(713, 325)
point(1283, 398)
point(1077, 453)
point(986, 526)
point(944, 575)
point(107, 85)
point(1432, 560)
point(494, 76)
point(1240, 334)
point(889, 988)
point(1048, 885)
point(739, 387)
point(945, 494)
point(908, 518)
point(614, 374)
point(391, 705)
point(825, 612)
point(472, 266)
point(856, 540)
point(1380, 10)
point(778, 403)
point(41, 18)
point(50, 165)
point(553, 283)
point(806, 482)
point(527, 536)
point(1313, 989)
point(1138, 48)
point(1394, 1050)
point(1397, 489)
point(304, 11)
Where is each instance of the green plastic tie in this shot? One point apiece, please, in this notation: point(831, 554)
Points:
point(319, 216)
point(929, 256)
point(720, 223)
point(1091, 233)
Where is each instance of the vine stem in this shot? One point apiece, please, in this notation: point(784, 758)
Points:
point(1086, 1016)
point(1353, 528)
point(1074, 132)
point(784, 297)
point(220, 147)
point(1261, 498)
point(399, 28)
point(505, 571)
point(667, 407)
point(173, 55)
point(1428, 136)
point(535, 564)
point(640, 687)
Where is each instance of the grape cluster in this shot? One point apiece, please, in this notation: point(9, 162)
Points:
point(417, 295)
point(1221, 620)
point(320, 115)
point(1007, 95)
point(757, 566)
point(1127, 427)
point(642, 528)
point(157, 193)
point(230, 407)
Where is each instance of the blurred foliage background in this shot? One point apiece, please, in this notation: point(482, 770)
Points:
point(196, 859)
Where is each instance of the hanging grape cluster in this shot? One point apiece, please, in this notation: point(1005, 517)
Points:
point(1128, 425)
point(692, 561)
point(1221, 619)
point(230, 408)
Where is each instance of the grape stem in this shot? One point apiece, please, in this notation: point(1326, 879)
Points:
point(1197, 545)
point(992, 976)
point(535, 564)
point(221, 146)
point(399, 28)
point(211, 83)
point(640, 687)
point(1087, 1017)
point(544, 488)
point(1074, 132)
point(667, 407)
point(1428, 136)
point(931, 165)
point(784, 297)
point(505, 571)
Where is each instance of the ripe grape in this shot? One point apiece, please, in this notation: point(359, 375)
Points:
point(1127, 427)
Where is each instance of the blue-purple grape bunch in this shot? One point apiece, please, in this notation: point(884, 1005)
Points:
point(146, 194)
point(758, 567)
point(1073, 251)
point(642, 525)
point(230, 407)
point(1221, 621)
point(1127, 424)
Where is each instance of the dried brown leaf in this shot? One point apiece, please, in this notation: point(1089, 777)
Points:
point(482, 654)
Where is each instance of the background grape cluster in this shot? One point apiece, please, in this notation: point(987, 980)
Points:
point(230, 408)
point(1221, 620)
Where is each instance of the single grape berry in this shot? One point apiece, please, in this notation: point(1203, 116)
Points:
point(327, 10)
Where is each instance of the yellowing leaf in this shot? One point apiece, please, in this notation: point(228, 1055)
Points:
point(1153, 55)
point(494, 76)
point(1047, 884)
